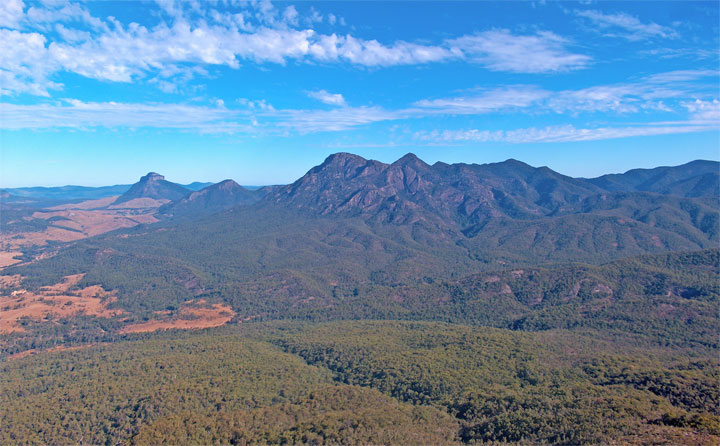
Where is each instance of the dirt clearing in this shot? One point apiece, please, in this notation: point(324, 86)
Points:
point(51, 302)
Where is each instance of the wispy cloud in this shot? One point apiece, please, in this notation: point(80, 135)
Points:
point(500, 50)
point(256, 117)
point(652, 93)
point(673, 93)
point(681, 76)
point(511, 97)
point(312, 121)
point(627, 26)
point(83, 115)
point(327, 98)
point(556, 134)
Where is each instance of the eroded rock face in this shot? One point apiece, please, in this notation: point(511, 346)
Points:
point(410, 189)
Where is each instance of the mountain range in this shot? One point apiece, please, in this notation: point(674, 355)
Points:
point(459, 195)
point(522, 304)
point(355, 225)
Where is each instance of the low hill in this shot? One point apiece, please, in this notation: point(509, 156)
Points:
point(212, 199)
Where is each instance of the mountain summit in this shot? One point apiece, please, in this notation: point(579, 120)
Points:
point(153, 185)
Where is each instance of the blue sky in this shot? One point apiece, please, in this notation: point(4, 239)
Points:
point(98, 93)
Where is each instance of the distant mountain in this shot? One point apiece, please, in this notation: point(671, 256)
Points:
point(215, 198)
point(197, 185)
point(67, 193)
point(154, 186)
point(695, 179)
point(64, 194)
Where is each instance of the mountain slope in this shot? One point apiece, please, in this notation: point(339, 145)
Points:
point(215, 198)
point(154, 186)
point(410, 190)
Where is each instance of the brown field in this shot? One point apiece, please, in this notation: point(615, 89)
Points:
point(214, 316)
point(89, 204)
point(51, 302)
point(140, 203)
point(96, 222)
point(81, 220)
point(8, 258)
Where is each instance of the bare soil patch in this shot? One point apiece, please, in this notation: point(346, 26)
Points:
point(189, 317)
point(52, 302)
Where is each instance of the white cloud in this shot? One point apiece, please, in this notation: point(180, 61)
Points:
point(194, 33)
point(500, 50)
point(629, 27)
point(332, 48)
point(11, 13)
point(70, 12)
point(705, 111)
point(71, 34)
point(290, 15)
point(24, 64)
point(327, 98)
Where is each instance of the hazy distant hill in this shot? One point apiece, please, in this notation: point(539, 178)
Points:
point(154, 186)
point(695, 179)
point(76, 193)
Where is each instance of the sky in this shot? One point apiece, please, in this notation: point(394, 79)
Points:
point(100, 93)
